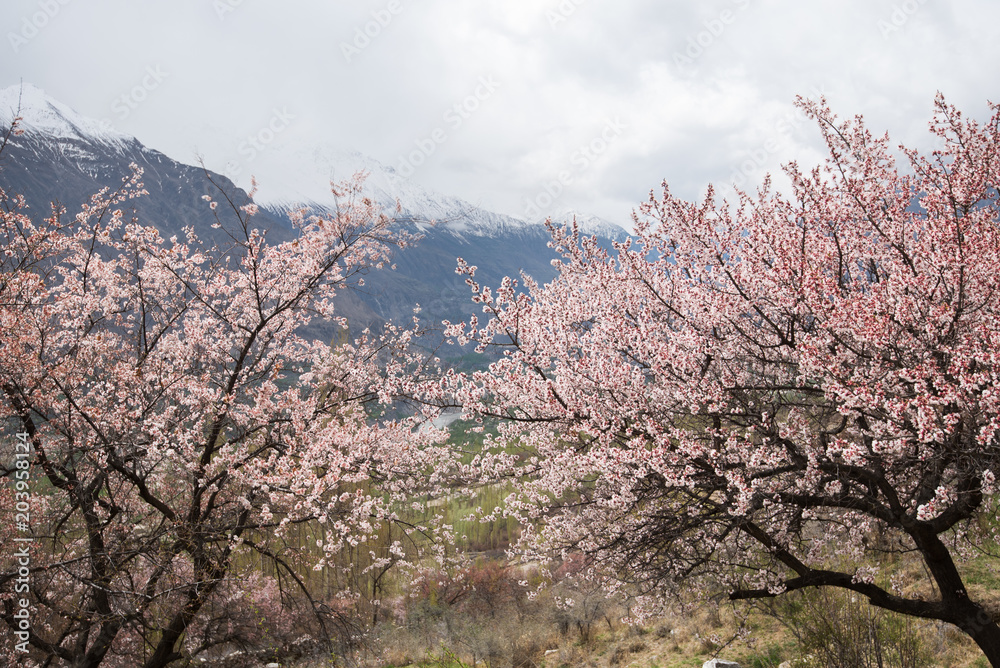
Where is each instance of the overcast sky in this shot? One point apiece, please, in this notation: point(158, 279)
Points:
point(516, 105)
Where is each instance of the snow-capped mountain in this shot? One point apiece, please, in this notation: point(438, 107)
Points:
point(65, 157)
point(589, 224)
point(62, 156)
point(290, 177)
point(43, 115)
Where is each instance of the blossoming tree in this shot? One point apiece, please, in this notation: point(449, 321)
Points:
point(759, 396)
point(181, 425)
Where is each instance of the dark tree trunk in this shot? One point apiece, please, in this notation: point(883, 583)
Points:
point(967, 615)
point(984, 631)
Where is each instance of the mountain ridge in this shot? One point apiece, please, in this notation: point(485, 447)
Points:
point(65, 157)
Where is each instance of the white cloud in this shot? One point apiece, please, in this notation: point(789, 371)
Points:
point(565, 68)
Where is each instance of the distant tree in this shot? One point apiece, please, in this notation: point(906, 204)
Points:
point(181, 427)
point(760, 396)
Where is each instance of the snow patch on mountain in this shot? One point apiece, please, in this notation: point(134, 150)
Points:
point(588, 224)
point(290, 177)
point(44, 115)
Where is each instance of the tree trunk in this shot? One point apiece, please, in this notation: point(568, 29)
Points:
point(984, 631)
point(968, 615)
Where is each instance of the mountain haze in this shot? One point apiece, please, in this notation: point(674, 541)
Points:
point(64, 157)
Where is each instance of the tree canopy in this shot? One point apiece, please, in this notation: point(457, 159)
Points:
point(756, 396)
point(180, 426)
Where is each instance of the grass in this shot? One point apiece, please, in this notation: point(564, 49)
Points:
point(681, 641)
